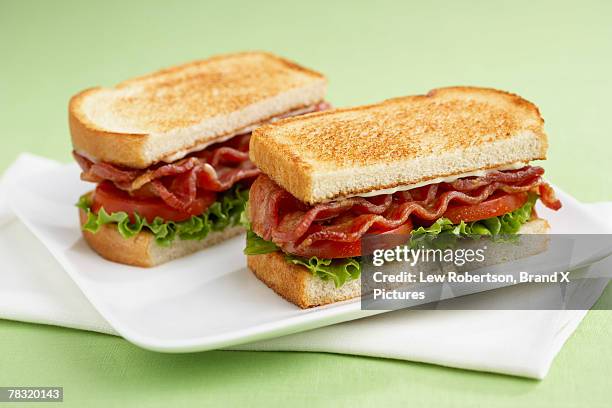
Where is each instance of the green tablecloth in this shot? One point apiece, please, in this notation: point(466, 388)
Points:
point(559, 56)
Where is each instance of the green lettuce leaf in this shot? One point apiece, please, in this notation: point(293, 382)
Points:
point(223, 213)
point(256, 245)
point(338, 270)
point(444, 234)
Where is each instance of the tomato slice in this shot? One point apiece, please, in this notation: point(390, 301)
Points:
point(334, 249)
point(492, 207)
point(114, 200)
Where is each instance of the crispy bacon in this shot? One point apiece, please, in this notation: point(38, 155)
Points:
point(278, 216)
point(218, 169)
point(224, 155)
point(509, 176)
point(400, 214)
point(549, 199)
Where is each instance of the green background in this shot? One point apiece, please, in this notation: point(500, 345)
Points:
point(558, 55)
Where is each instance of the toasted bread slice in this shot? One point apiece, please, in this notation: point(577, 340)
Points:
point(141, 249)
point(402, 141)
point(172, 112)
point(297, 285)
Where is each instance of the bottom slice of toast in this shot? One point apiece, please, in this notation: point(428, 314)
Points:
point(142, 250)
point(296, 284)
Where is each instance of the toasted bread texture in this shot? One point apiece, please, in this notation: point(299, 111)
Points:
point(535, 226)
point(297, 285)
point(141, 249)
point(171, 112)
point(401, 141)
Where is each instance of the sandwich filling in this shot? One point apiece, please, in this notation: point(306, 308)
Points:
point(204, 191)
point(326, 237)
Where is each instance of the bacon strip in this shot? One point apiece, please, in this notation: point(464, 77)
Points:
point(549, 199)
point(217, 169)
point(225, 155)
point(278, 216)
point(401, 214)
point(509, 176)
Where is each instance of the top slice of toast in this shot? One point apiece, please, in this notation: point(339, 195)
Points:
point(402, 141)
point(181, 109)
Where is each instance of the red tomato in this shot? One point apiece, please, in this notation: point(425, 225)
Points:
point(334, 249)
point(492, 207)
point(114, 200)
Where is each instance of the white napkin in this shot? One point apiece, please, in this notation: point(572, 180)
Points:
point(524, 343)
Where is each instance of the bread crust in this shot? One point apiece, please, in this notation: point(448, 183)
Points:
point(297, 285)
point(326, 155)
point(286, 279)
point(141, 249)
point(142, 120)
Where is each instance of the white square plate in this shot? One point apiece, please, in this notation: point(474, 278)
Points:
point(200, 302)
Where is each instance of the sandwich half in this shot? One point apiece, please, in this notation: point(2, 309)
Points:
point(454, 161)
point(169, 151)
